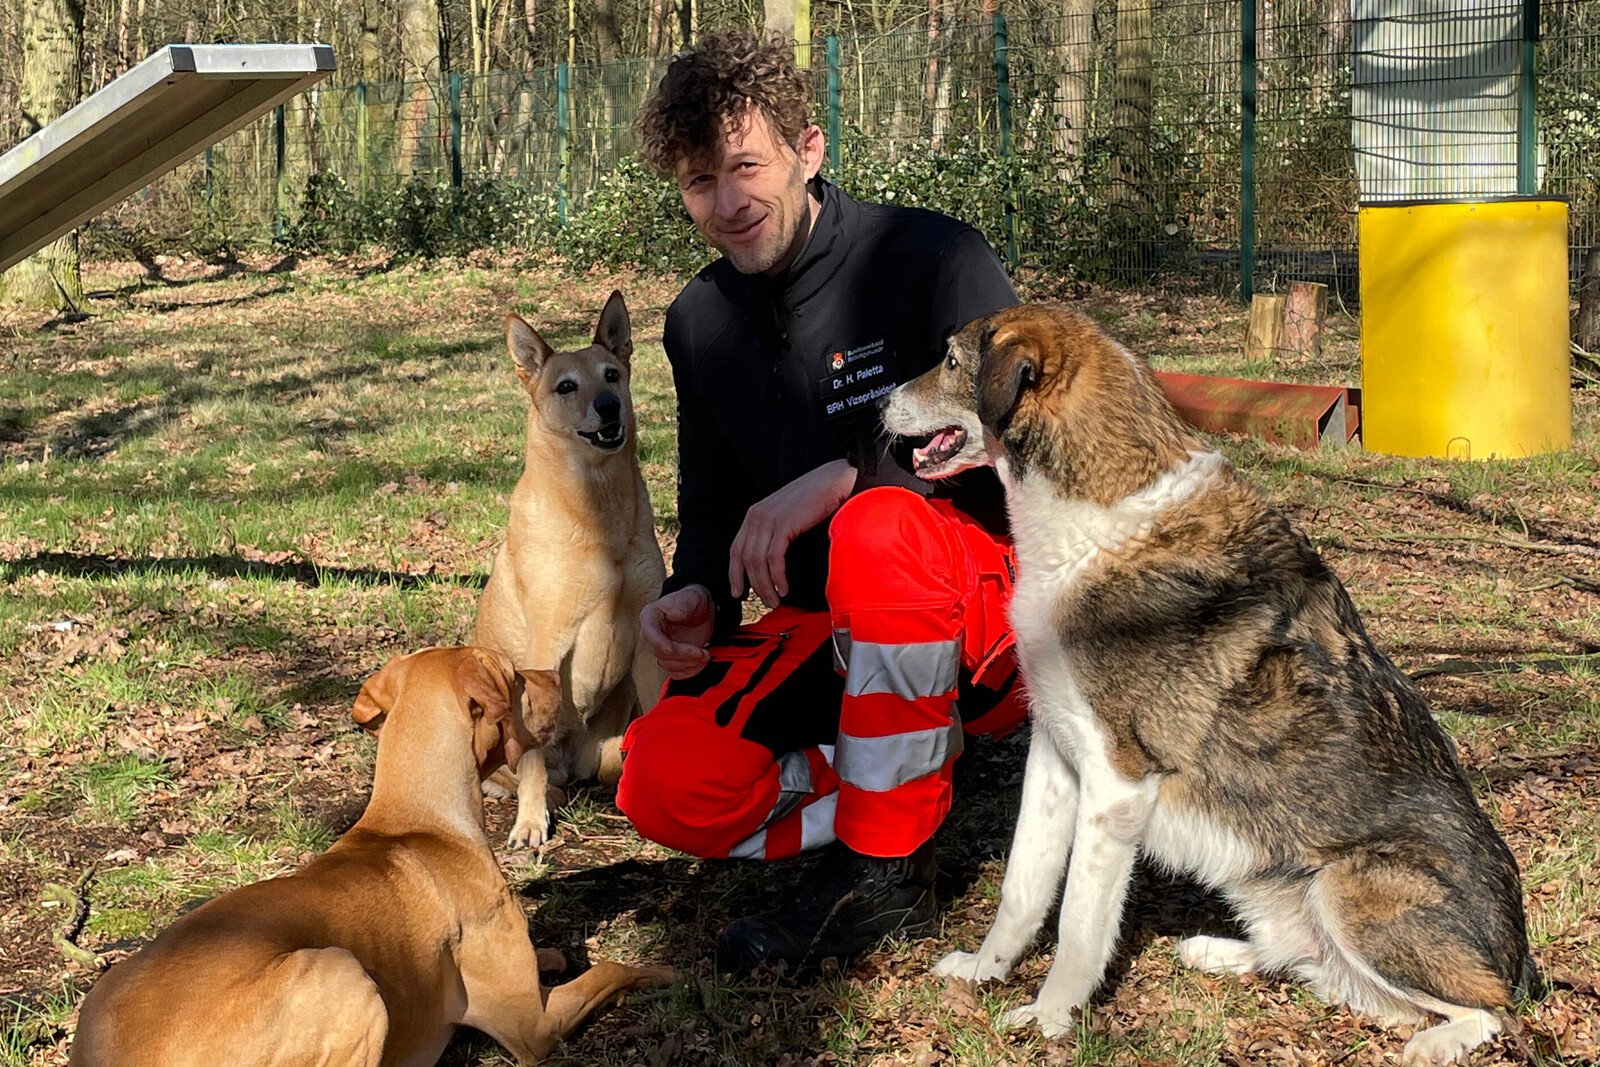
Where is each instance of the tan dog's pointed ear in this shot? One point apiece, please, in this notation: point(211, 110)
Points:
point(613, 332)
point(528, 350)
point(1009, 361)
point(541, 703)
point(377, 696)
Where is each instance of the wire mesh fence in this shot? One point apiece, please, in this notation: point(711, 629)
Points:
point(1117, 140)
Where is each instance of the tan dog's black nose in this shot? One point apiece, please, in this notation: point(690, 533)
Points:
point(609, 408)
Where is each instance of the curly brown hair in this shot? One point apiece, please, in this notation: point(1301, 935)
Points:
point(708, 90)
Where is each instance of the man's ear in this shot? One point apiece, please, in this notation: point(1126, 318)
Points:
point(528, 350)
point(1007, 363)
point(377, 696)
point(813, 150)
point(613, 332)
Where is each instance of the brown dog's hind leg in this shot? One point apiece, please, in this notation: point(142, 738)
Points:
point(530, 1032)
point(1404, 941)
point(328, 1012)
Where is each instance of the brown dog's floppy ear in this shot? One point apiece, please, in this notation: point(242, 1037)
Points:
point(1008, 363)
point(613, 332)
point(485, 681)
point(528, 350)
point(377, 696)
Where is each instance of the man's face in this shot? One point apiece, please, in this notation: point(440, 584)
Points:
point(751, 203)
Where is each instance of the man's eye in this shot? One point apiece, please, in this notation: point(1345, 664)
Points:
point(567, 386)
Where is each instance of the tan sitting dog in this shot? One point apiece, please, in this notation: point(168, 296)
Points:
point(580, 560)
point(383, 945)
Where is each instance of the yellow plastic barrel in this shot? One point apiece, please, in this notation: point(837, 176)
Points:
point(1464, 342)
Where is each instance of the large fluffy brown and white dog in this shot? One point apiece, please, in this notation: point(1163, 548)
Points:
point(579, 562)
point(1204, 692)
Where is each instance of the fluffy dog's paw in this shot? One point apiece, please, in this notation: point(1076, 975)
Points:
point(1217, 955)
point(529, 831)
point(969, 965)
point(492, 788)
point(1051, 1024)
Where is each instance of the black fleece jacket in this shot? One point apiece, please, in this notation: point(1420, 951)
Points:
point(777, 376)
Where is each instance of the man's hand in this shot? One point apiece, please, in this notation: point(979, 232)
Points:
point(773, 523)
point(677, 627)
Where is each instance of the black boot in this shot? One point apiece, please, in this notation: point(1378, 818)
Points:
point(846, 903)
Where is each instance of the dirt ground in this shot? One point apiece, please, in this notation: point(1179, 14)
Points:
point(235, 489)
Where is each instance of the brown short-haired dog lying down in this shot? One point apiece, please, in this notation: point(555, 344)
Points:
point(1203, 692)
point(380, 947)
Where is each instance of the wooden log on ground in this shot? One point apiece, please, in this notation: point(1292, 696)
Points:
point(1304, 317)
point(1265, 339)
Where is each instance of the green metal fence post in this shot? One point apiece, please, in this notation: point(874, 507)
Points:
point(1527, 129)
point(1247, 150)
point(833, 107)
point(1002, 77)
point(281, 198)
point(361, 140)
point(455, 129)
point(563, 150)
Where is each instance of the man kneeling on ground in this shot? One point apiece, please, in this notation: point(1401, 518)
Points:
point(838, 714)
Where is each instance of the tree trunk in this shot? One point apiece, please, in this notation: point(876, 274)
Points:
point(420, 65)
point(1333, 56)
point(660, 28)
point(530, 23)
point(1131, 116)
point(608, 32)
point(778, 18)
point(1074, 57)
point(1586, 324)
point(52, 49)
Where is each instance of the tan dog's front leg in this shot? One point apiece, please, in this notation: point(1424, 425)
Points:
point(533, 809)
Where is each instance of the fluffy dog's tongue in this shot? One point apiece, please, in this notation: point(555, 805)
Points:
point(940, 447)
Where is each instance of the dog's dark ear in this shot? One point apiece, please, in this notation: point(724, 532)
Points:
point(377, 696)
point(613, 332)
point(528, 350)
point(1007, 363)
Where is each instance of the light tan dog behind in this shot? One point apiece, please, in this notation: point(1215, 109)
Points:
point(379, 948)
point(579, 562)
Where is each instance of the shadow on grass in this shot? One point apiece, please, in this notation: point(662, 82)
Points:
point(82, 564)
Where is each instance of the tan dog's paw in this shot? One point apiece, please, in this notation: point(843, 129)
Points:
point(531, 829)
point(655, 975)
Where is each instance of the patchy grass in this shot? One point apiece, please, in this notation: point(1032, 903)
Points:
point(235, 491)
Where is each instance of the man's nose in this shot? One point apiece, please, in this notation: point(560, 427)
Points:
point(730, 198)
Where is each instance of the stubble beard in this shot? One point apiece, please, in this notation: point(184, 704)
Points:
point(769, 254)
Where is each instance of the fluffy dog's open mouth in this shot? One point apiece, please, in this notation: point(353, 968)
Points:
point(607, 438)
point(939, 450)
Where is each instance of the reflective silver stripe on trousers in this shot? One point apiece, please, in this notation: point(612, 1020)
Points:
point(919, 669)
point(879, 764)
point(794, 785)
point(841, 650)
point(816, 830)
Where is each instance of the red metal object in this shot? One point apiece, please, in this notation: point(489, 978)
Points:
point(1305, 416)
